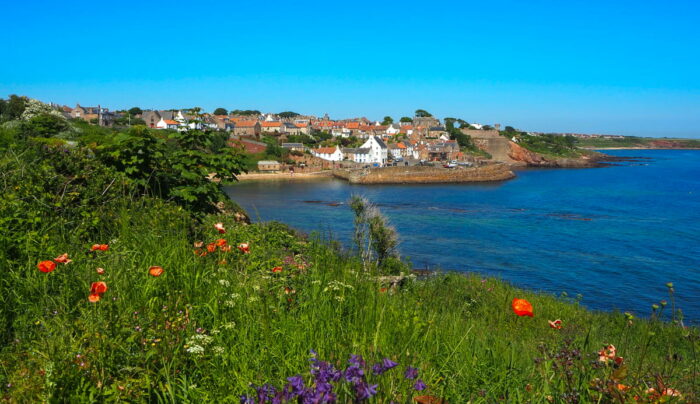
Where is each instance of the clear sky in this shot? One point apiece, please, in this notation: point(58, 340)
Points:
point(627, 67)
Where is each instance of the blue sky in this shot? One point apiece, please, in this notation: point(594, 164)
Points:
point(628, 67)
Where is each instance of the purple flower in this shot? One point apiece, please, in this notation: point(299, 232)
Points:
point(419, 385)
point(411, 373)
point(389, 364)
point(377, 369)
point(357, 360)
point(247, 400)
point(354, 373)
point(364, 391)
point(297, 384)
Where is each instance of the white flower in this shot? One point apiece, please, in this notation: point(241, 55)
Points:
point(224, 282)
point(229, 326)
point(196, 350)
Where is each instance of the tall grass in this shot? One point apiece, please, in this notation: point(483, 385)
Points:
point(210, 326)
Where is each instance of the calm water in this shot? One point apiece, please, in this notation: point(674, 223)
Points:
point(616, 235)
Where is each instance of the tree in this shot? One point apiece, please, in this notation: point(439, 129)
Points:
point(487, 127)
point(510, 129)
point(421, 113)
point(405, 119)
point(387, 120)
point(288, 114)
point(135, 111)
point(245, 112)
point(220, 111)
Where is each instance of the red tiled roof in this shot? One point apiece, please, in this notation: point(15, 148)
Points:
point(245, 124)
point(271, 124)
point(325, 150)
point(171, 122)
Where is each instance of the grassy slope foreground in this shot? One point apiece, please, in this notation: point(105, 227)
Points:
point(247, 310)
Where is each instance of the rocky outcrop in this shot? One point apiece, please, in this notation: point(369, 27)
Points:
point(426, 175)
point(521, 156)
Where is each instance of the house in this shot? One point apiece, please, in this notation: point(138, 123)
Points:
point(271, 126)
point(167, 124)
point(358, 155)
point(393, 129)
point(378, 150)
point(247, 128)
point(290, 128)
point(328, 153)
point(97, 115)
point(436, 131)
point(395, 151)
point(294, 146)
point(269, 166)
point(341, 132)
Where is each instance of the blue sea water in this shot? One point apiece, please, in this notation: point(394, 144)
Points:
point(615, 235)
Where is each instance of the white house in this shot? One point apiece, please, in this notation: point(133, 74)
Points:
point(341, 132)
point(328, 153)
point(378, 152)
point(395, 151)
point(393, 129)
point(167, 124)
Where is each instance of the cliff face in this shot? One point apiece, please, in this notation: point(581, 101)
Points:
point(523, 157)
point(426, 175)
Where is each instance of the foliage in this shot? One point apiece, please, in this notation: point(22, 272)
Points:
point(135, 111)
point(12, 108)
point(387, 120)
point(405, 119)
point(376, 241)
point(220, 111)
point(421, 113)
point(245, 112)
point(287, 114)
point(553, 145)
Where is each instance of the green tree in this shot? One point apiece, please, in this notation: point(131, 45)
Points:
point(220, 111)
point(45, 125)
point(287, 114)
point(423, 113)
point(510, 129)
point(405, 119)
point(387, 120)
point(135, 111)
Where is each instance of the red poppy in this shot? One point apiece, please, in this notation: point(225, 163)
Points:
point(522, 307)
point(556, 324)
point(429, 400)
point(155, 270)
point(94, 298)
point(199, 252)
point(98, 288)
point(46, 266)
point(211, 247)
point(276, 270)
point(101, 247)
point(63, 259)
point(220, 242)
point(244, 247)
point(225, 248)
point(383, 290)
point(100, 271)
point(220, 228)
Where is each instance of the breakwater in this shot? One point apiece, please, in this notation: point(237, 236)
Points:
point(426, 175)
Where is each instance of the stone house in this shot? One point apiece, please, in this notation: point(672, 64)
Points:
point(328, 153)
point(269, 166)
point(247, 128)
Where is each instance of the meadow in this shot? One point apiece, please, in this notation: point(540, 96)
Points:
point(126, 276)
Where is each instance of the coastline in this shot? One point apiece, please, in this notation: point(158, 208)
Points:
point(285, 176)
point(640, 148)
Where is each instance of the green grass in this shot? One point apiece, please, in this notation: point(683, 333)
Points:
point(633, 141)
point(139, 342)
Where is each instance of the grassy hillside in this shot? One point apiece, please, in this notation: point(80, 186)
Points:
point(633, 141)
point(158, 305)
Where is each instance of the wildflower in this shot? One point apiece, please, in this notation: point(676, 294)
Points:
point(224, 282)
point(288, 290)
point(522, 307)
point(220, 242)
point(411, 373)
point(556, 324)
point(244, 247)
point(94, 298)
point(155, 271)
point(419, 385)
point(100, 271)
point(663, 303)
point(200, 252)
point(225, 248)
point(62, 259)
point(609, 353)
point(220, 228)
point(98, 288)
point(198, 244)
point(211, 247)
point(363, 390)
point(100, 247)
point(383, 290)
point(46, 266)
point(276, 270)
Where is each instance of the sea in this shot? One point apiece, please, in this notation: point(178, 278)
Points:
point(612, 237)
